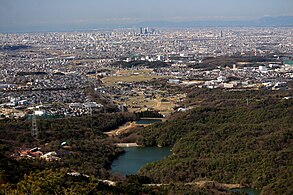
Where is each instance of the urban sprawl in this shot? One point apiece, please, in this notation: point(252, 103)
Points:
point(76, 73)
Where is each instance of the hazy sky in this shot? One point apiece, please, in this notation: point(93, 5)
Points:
point(35, 14)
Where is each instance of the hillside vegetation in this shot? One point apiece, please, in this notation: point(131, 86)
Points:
point(226, 140)
point(88, 155)
point(87, 150)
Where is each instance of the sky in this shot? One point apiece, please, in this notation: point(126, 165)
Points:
point(26, 15)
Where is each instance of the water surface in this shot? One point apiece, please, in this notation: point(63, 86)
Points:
point(147, 121)
point(249, 191)
point(135, 158)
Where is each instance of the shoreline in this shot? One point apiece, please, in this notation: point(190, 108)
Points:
point(128, 145)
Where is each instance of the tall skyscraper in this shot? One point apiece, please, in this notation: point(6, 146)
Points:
point(146, 31)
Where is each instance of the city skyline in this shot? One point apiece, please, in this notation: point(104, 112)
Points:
point(33, 15)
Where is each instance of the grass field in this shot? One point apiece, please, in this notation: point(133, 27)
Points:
point(140, 103)
point(130, 76)
point(128, 79)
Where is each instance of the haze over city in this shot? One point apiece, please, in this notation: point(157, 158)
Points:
point(54, 15)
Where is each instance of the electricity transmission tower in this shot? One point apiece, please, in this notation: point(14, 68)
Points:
point(34, 130)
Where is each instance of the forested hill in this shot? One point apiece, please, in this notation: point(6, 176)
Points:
point(228, 141)
point(83, 164)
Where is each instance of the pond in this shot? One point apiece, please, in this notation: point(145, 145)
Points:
point(249, 191)
point(147, 121)
point(135, 158)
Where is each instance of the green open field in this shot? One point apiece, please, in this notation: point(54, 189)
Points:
point(130, 76)
point(140, 103)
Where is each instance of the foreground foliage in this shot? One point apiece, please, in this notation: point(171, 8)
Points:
point(87, 150)
point(229, 143)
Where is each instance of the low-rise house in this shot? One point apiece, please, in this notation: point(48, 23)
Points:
point(50, 156)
